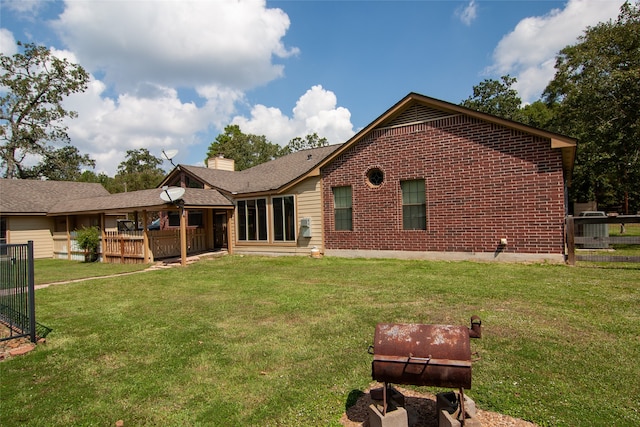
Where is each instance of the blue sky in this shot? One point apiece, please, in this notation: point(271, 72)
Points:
point(171, 74)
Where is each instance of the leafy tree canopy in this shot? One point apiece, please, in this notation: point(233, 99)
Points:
point(596, 92)
point(309, 141)
point(496, 97)
point(63, 164)
point(246, 150)
point(139, 171)
point(102, 178)
point(34, 83)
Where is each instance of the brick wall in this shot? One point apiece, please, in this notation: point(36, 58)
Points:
point(483, 182)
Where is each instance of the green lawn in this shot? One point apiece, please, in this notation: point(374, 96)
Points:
point(55, 270)
point(253, 341)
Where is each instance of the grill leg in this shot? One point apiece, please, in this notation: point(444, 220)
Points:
point(462, 415)
point(384, 399)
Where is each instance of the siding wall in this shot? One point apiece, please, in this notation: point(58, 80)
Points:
point(307, 199)
point(483, 182)
point(21, 229)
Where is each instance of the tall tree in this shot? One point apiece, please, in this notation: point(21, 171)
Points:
point(63, 164)
point(597, 89)
point(34, 83)
point(139, 171)
point(102, 178)
point(246, 150)
point(309, 141)
point(496, 97)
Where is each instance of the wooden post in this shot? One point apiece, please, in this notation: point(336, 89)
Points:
point(68, 239)
point(571, 241)
point(145, 239)
point(229, 232)
point(183, 237)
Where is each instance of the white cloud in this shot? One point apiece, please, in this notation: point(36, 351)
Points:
point(528, 52)
point(143, 55)
point(177, 43)
point(106, 128)
point(468, 13)
point(8, 44)
point(26, 7)
point(315, 111)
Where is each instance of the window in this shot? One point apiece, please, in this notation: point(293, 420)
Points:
point(174, 218)
point(343, 209)
point(252, 219)
point(284, 223)
point(3, 235)
point(3, 230)
point(195, 219)
point(414, 209)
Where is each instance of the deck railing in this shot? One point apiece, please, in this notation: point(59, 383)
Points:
point(127, 247)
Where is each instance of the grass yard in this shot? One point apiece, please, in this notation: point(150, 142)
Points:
point(55, 270)
point(258, 341)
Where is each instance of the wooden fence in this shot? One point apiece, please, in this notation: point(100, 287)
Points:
point(128, 247)
point(588, 238)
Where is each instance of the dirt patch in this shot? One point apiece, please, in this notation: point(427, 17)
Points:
point(14, 346)
point(421, 411)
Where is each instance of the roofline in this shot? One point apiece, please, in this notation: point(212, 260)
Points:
point(161, 207)
point(39, 213)
point(558, 141)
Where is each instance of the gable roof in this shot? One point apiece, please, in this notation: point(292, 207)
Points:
point(34, 197)
point(274, 176)
point(415, 108)
point(141, 200)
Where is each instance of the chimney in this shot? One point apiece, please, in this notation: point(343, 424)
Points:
point(221, 163)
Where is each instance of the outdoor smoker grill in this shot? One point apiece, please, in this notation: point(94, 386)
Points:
point(423, 355)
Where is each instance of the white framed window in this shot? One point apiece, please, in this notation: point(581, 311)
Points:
point(343, 211)
point(414, 208)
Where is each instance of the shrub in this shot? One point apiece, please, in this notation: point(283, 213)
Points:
point(89, 239)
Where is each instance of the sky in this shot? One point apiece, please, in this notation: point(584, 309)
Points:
point(171, 74)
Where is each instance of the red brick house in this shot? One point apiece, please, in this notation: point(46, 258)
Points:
point(426, 179)
point(433, 179)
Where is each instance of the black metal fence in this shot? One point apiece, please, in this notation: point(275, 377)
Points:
point(17, 291)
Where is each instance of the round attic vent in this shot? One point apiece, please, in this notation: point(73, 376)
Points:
point(375, 177)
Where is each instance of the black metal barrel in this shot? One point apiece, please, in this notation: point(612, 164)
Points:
point(423, 355)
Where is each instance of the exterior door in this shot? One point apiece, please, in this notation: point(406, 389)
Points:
point(220, 230)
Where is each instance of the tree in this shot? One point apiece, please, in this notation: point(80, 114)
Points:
point(539, 115)
point(140, 171)
point(496, 97)
point(309, 141)
point(102, 178)
point(597, 91)
point(246, 150)
point(31, 112)
point(63, 164)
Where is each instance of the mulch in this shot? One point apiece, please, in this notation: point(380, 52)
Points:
point(421, 411)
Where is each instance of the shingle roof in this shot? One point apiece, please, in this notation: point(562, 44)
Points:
point(269, 176)
point(24, 196)
point(143, 199)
